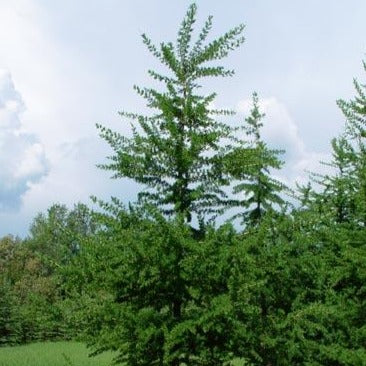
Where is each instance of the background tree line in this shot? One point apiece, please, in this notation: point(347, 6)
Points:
point(158, 281)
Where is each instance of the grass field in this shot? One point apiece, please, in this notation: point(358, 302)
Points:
point(51, 354)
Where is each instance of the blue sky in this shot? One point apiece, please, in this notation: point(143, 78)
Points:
point(65, 66)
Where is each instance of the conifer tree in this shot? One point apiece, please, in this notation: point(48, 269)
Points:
point(250, 165)
point(355, 113)
point(339, 189)
point(173, 151)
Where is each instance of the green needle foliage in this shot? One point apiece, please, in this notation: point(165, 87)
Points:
point(145, 288)
point(251, 166)
point(355, 113)
point(338, 195)
point(343, 192)
point(174, 150)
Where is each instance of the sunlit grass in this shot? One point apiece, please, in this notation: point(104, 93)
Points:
point(52, 354)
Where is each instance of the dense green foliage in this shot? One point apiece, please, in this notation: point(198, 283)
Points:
point(32, 299)
point(286, 288)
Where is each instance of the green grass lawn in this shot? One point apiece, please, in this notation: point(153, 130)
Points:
point(52, 354)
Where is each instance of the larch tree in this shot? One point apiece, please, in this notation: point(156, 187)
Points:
point(173, 151)
point(250, 165)
point(176, 154)
point(338, 194)
point(355, 113)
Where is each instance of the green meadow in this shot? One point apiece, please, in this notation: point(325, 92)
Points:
point(52, 354)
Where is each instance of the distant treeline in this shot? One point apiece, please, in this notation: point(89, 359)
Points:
point(32, 295)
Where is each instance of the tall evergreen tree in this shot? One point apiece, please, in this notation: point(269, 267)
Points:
point(251, 165)
point(173, 151)
point(355, 113)
point(338, 195)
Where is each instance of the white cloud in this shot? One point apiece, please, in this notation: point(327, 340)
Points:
point(33, 162)
point(61, 99)
point(280, 131)
point(22, 158)
point(74, 177)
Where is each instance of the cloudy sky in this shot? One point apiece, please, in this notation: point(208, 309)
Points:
point(66, 65)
